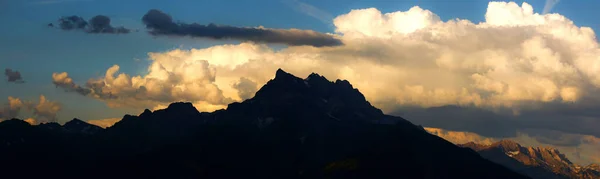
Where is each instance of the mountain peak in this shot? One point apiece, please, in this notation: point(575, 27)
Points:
point(50, 125)
point(344, 83)
point(538, 162)
point(337, 98)
point(474, 146)
point(75, 121)
point(77, 125)
point(14, 122)
point(282, 75)
point(507, 145)
point(145, 113)
point(315, 76)
point(280, 72)
point(178, 106)
point(593, 166)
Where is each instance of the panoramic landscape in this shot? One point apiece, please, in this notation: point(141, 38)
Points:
point(300, 89)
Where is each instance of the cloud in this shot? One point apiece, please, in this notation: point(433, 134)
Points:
point(13, 76)
point(99, 24)
point(72, 23)
point(549, 5)
point(310, 10)
point(460, 137)
point(501, 123)
point(44, 110)
point(104, 123)
point(11, 109)
point(246, 88)
point(31, 121)
point(581, 149)
point(160, 24)
point(63, 80)
point(169, 79)
point(516, 70)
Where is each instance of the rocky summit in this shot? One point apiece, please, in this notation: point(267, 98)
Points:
point(536, 162)
point(292, 128)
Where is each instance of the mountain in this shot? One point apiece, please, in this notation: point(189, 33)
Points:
point(77, 125)
point(291, 128)
point(536, 162)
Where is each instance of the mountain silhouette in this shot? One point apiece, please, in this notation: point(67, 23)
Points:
point(291, 128)
point(536, 162)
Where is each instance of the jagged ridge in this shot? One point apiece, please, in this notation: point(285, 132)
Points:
point(537, 162)
point(292, 128)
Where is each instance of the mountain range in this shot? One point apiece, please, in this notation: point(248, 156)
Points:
point(292, 128)
point(536, 162)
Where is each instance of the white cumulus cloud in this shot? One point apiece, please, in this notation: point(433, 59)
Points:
point(516, 57)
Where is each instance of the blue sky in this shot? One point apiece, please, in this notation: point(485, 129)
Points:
point(37, 52)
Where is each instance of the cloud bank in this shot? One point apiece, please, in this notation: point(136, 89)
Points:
point(13, 76)
point(99, 24)
point(169, 79)
point(516, 70)
point(161, 24)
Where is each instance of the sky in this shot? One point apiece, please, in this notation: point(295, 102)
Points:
point(468, 69)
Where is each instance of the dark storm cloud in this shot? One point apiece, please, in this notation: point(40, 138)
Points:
point(13, 76)
point(72, 23)
point(160, 24)
point(455, 118)
point(99, 24)
point(550, 123)
point(554, 137)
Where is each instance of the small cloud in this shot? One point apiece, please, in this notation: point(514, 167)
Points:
point(13, 76)
point(31, 121)
point(460, 137)
point(310, 10)
point(11, 109)
point(549, 5)
point(63, 80)
point(45, 109)
point(72, 23)
point(99, 24)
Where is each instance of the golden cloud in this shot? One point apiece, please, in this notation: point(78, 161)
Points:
point(399, 58)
